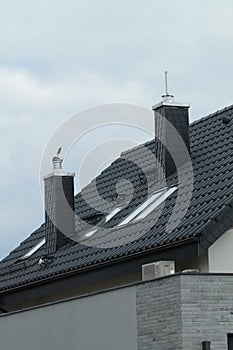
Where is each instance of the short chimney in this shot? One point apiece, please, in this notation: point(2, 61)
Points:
point(59, 206)
point(171, 128)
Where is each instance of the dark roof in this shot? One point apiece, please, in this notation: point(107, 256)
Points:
point(209, 215)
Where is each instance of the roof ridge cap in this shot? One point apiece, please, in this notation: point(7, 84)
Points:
point(219, 111)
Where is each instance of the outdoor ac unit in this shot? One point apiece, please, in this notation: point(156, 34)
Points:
point(157, 269)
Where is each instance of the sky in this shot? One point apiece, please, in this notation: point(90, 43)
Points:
point(60, 57)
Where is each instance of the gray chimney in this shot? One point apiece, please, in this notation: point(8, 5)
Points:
point(169, 112)
point(59, 206)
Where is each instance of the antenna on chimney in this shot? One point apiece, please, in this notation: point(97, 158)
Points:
point(167, 97)
point(166, 82)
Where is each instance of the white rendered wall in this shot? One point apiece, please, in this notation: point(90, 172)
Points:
point(104, 321)
point(220, 254)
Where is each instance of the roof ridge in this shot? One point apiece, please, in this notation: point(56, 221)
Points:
point(219, 111)
point(143, 144)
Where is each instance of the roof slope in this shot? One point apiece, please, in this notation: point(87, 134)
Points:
point(209, 215)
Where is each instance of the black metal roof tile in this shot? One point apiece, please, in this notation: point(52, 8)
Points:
point(209, 215)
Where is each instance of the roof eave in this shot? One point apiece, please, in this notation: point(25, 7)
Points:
point(217, 226)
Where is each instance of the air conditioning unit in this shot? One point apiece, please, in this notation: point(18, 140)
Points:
point(157, 269)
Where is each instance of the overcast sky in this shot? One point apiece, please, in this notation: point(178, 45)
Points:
point(59, 57)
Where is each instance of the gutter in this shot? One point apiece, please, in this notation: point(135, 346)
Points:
point(117, 260)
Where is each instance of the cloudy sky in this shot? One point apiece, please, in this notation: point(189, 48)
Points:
point(59, 57)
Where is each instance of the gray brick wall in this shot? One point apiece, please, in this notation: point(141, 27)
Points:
point(207, 310)
point(181, 311)
point(173, 313)
point(158, 306)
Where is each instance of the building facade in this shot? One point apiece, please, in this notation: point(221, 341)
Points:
point(78, 281)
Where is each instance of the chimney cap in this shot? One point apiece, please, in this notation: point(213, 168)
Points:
point(57, 161)
point(57, 166)
point(168, 99)
point(171, 104)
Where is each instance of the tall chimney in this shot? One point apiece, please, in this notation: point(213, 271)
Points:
point(171, 128)
point(59, 206)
